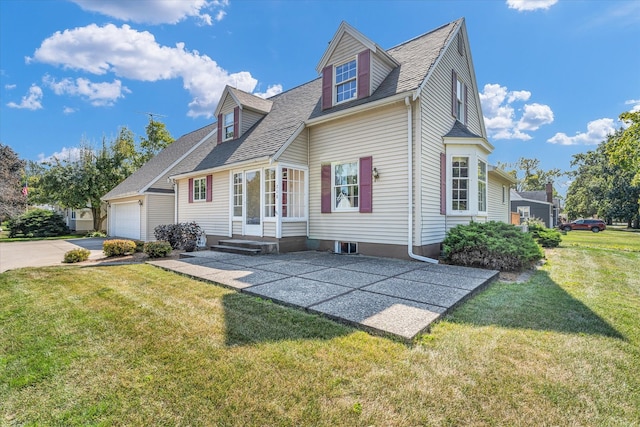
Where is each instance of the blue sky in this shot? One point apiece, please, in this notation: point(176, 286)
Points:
point(553, 75)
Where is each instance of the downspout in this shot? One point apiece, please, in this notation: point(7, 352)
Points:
point(407, 102)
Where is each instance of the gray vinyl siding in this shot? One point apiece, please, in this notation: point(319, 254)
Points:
point(346, 50)
point(497, 210)
point(228, 106)
point(160, 212)
point(540, 210)
point(382, 134)
point(297, 151)
point(213, 216)
point(237, 227)
point(269, 228)
point(294, 229)
point(435, 122)
point(379, 71)
point(248, 118)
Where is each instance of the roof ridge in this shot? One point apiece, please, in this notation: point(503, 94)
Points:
point(425, 34)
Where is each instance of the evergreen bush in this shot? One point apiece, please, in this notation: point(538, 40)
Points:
point(492, 245)
point(118, 247)
point(157, 249)
point(38, 223)
point(76, 255)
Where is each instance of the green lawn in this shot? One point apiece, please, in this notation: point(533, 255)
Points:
point(135, 345)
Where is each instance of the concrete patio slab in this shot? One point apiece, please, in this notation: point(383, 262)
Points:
point(380, 313)
point(428, 293)
point(298, 291)
point(402, 298)
point(438, 277)
point(344, 277)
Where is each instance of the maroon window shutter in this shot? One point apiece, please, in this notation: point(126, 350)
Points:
point(236, 122)
point(209, 188)
point(219, 128)
point(454, 82)
point(443, 184)
point(327, 87)
point(466, 109)
point(364, 73)
point(325, 189)
point(190, 190)
point(365, 191)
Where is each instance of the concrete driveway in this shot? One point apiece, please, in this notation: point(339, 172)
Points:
point(41, 253)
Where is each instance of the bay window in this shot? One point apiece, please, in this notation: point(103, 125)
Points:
point(482, 186)
point(460, 183)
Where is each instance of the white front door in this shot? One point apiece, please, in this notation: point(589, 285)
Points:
point(253, 203)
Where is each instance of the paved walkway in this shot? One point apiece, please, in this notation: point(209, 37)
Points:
point(41, 253)
point(380, 295)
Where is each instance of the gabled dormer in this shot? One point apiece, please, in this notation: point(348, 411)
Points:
point(237, 111)
point(352, 67)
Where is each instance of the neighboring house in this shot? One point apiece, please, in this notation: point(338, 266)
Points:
point(381, 155)
point(537, 204)
point(146, 198)
point(78, 219)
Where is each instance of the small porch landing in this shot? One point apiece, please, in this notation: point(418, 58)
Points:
point(245, 247)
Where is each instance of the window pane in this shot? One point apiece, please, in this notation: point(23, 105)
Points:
point(346, 71)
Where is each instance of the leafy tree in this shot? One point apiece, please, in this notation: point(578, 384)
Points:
point(624, 149)
point(79, 183)
point(12, 201)
point(529, 175)
point(603, 188)
point(158, 138)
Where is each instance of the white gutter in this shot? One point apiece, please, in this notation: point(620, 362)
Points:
point(407, 102)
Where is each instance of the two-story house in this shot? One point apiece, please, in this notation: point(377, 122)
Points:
point(380, 155)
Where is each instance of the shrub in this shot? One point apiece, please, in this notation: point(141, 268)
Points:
point(493, 245)
point(157, 249)
point(549, 238)
point(96, 234)
point(118, 247)
point(38, 223)
point(139, 245)
point(181, 235)
point(76, 255)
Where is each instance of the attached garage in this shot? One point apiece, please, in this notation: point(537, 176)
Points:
point(125, 220)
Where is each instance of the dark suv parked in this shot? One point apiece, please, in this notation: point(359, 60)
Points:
point(595, 225)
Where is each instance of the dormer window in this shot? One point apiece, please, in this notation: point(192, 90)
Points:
point(228, 128)
point(346, 81)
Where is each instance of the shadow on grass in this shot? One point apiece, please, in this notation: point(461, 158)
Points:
point(538, 304)
point(251, 320)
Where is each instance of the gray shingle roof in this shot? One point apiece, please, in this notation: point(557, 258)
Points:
point(252, 101)
point(458, 130)
point(151, 170)
point(292, 108)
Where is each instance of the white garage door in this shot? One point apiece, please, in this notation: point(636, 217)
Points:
point(125, 220)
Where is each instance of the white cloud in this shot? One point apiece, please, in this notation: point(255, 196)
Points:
point(635, 105)
point(156, 11)
point(597, 132)
point(527, 5)
point(136, 55)
point(69, 110)
point(272, 90)
point(31, 101)
point(66, 154)
point(99, 94)
point(10, 87)
point(500, 113)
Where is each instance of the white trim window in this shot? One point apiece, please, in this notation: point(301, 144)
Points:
point(482, 186)
point(199, 189)
point(228, 127)
point(269, 193)
point(460, 183)
point(293, 200)
point(237, 194)
point(345, 81)
point(525, 213)
point(345, 186)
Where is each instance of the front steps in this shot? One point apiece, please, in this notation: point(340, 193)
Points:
point(245, 247)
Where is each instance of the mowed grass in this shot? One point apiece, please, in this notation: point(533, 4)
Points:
point(614, 237)
point(135, 345)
